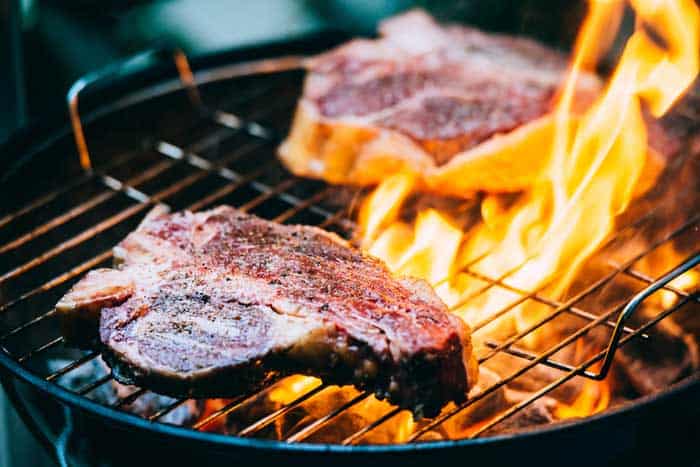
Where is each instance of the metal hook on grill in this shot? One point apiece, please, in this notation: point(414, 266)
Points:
point(632, 307)
point(119, 71)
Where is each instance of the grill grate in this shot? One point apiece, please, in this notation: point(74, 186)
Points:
point(227, 155)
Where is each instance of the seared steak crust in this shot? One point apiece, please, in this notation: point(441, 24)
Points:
point(207, 304)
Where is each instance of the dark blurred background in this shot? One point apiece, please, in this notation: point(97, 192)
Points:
point(45, 45)
point(56, 41)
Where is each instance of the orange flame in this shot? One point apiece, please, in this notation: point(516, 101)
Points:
point(686, 282)
point(595, 163)
point(664, 258)
point(593, 397)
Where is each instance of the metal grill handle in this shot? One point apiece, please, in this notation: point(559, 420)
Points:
point(119, 71)
point(632, 307)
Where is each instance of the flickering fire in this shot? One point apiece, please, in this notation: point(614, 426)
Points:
point(593, 397)
point(684, 283)
point(595, 166)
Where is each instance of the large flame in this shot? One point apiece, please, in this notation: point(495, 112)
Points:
point(594, 166)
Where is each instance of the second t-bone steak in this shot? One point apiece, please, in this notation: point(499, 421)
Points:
point(206, 304)
point(463, 109)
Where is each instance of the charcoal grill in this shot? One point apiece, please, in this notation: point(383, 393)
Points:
point(200, 134)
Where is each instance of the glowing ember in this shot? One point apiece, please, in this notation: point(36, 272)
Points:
point(594, 167)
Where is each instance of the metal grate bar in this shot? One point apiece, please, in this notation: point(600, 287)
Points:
point(84, 177)
point(522, 299)
point(534, 295)
point(645, 278)
point(464, 268)
point(52, 343)
point(250, 124)
point(173, 151)
point(263, 422)
point(363, 431)
point(395, 411)
point(576, 371)
point(339, 218)
point(321, 422)
point(529, 356)
point(57, 221)
point(306, 204)
point(130, 399)
point(28, 324)
point(258, 186)
point(568, 340)
point(166, 410)
point(48, 286)
point(234, 404)
point(491, 283)
point(73, 242)
point(94, 385)
point(70, 274)
point(293, 200)
point(228, 188)
point(268, 193)
point(230, 120)
point(227, 409)
point(590, 289)
point(84, 207)
point(91, 263)
point(73, 365)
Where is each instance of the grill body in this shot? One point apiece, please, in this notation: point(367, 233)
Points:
point(663, 429)
point(78, 431)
